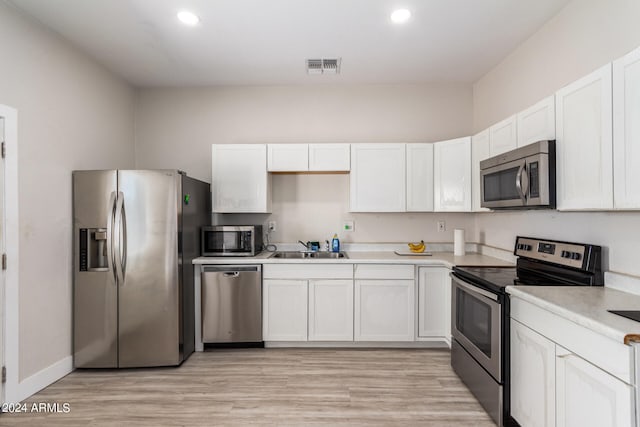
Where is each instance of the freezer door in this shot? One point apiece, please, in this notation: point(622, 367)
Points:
point(147, 261)
point(95, 294)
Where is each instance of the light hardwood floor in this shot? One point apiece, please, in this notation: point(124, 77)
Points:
point(284, 387)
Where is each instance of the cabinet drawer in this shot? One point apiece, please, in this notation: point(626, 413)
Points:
point(384, 271)
point(307, 271)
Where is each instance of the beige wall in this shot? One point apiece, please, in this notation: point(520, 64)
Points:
point(176, 127)
point(585, 35)
point(72, 114)
point(582, 37)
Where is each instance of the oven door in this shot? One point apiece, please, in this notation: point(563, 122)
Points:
point(476, 323)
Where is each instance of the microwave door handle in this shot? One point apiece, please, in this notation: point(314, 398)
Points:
point(519, 183)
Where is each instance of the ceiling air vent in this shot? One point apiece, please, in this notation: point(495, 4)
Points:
point(323, 66)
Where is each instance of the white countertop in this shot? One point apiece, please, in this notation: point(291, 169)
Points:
point(446, 259)
point(586, 306)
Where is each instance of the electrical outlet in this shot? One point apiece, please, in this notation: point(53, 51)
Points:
point(271, 226)
point(442, 226)
point(348, 225)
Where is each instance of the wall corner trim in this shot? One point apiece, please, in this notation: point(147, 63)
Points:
point(36, 382)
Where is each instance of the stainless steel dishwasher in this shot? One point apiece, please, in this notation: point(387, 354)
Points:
point(232, 304)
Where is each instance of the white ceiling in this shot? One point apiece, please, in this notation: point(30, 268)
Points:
point(242, 42)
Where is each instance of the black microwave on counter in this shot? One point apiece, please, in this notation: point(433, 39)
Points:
point(231, 240)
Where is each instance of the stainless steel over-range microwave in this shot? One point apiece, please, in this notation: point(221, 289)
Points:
point(231, 240)
point(524, 178)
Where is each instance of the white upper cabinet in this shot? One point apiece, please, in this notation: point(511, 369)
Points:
point(377, 179)
point(584, 143)
point(329, 157)
point(239, 179)
point(479, 152)
point(626, 131)
point(308, 157)
point(503, 136)
point(452, 175)
point(538, 122)
point(419, 177)
point(288, 157)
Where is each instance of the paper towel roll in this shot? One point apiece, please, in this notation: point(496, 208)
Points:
point(458, 242)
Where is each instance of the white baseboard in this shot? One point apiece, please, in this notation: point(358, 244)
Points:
point(36, 382)
point(436, 343)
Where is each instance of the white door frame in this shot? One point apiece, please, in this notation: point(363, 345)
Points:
point(11, 343)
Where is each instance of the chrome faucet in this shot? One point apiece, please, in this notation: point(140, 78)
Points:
point(306, 245)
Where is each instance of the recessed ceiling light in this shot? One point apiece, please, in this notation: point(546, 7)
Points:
point(188, 18)
point(400, 16)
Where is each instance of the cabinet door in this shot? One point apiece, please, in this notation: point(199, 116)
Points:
point(329, 157)
point(434, 302)
point(419, 177)
point(479, 152)
point(331, 310)
point(533, 361)
point(384, 310)
point(503, 136)
point(626, 131)
point(284, 307)
point(239, 179)
point(538, 122)
point(584, 143)
point(588, 396)
point(377, 178)
point(452, 175)
point(287, 157)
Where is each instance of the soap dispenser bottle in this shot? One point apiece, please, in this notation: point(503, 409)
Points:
point(335, 243)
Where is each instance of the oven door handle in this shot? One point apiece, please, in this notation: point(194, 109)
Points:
point(475, 290)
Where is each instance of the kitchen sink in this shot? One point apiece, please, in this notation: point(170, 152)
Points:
point(308, 255)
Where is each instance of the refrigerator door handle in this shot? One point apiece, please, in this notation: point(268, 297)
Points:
point(118, 238)
point(123, 253)
point(111, 256)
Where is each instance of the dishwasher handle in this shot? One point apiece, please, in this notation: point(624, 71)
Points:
point(234, 274)
point(231, 270)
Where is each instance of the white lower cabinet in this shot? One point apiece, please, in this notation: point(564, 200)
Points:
point(562, 375)
point(588, 396)
point(331, 310)
point(434, 303)
point(384, 308)
point(307, 302)
point(533, 394)
point(284, 310)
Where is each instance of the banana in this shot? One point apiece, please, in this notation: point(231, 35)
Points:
point(416, 247)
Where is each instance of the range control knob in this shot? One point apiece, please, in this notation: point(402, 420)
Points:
point(565, 254)
point(575, 255)
point(527, 247)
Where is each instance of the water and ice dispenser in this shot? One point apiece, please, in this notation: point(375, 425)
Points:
point(93, 249)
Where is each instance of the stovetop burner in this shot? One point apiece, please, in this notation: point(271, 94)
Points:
point(629, 314)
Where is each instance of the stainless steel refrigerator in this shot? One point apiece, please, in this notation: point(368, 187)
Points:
point(135, 234)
